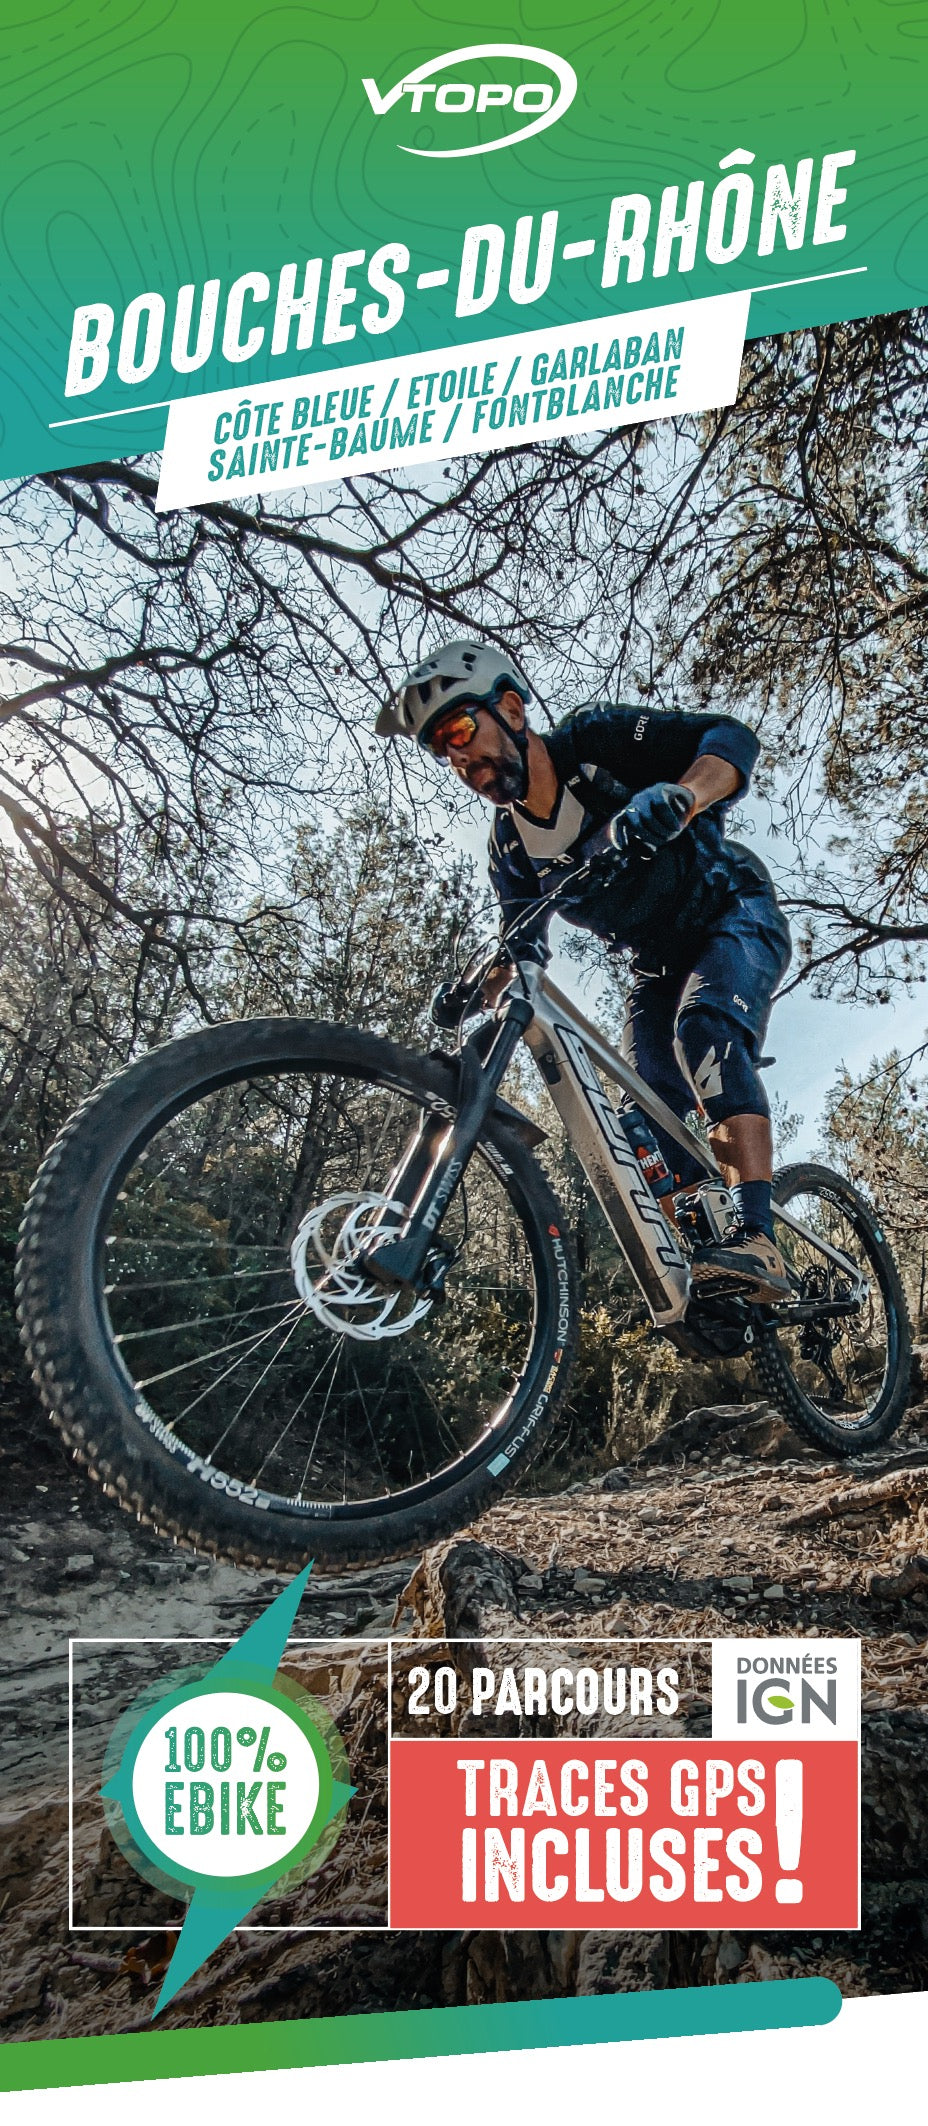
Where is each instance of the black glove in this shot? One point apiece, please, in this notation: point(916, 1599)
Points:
point(652, 818)
point(448, 1005)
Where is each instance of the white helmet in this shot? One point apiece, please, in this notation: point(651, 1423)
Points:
point(458, 672)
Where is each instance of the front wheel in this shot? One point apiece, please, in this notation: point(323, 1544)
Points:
point(840, 1375)
point(196, 1323)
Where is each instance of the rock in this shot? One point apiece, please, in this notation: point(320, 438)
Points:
point(919, 1370)
point(765, 1966)
point(775, 1594)
point(889, 1586)
point(381, 1621)
point(462, 1588)
point(82, 1561)
point(622, 1963)
point(771, 1439)
point(28, 1993)
point(741, 1584)
point(714, 1422)
point(654, 1388)
point(590, 1583)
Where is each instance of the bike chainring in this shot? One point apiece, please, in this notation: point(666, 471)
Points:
point(714, 1328)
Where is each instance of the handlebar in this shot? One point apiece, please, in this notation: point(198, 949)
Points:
point(454, 999)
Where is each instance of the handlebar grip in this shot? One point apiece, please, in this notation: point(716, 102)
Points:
point(677, 801)
point(449, 1005)
point(607, 863)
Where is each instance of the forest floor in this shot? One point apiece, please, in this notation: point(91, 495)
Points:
point(725, 1525)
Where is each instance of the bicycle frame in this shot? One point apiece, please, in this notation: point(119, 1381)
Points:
point(571, 1055)
point(568, 1051)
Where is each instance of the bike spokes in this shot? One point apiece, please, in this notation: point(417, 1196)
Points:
point(242, 1309)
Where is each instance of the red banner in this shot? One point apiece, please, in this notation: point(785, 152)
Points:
point(652, 1833)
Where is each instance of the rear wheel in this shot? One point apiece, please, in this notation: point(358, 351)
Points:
point(197, 1326)
point(841, 1377)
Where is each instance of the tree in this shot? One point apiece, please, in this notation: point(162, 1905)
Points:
point(200, 680)
point(876, 1130)
point(196, 681)
point(364, 934)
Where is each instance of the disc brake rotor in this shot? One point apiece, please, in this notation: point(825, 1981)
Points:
point(324, 1260)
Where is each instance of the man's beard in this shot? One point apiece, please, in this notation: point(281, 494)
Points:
point(507, 784)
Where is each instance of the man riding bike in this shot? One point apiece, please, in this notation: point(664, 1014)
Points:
point(699, 915)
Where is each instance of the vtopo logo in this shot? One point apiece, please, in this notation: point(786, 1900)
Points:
point(460, 89)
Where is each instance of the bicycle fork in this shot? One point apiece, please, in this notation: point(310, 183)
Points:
point(425, 1178)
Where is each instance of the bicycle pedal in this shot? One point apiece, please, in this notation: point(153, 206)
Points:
point(722, 1286)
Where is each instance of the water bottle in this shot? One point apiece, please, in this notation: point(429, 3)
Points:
point(647, 1151)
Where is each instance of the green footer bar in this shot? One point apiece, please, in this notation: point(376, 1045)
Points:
point(423, 2033)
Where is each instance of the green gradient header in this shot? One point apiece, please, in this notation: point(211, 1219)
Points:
point(153, 147)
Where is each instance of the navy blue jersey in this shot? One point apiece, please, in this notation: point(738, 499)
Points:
point(602, 754)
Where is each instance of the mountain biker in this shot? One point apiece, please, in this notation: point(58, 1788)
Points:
point(699, 914)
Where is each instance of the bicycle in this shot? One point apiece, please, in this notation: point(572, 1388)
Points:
point(290, 1290)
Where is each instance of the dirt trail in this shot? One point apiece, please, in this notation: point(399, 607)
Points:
point(723, 1526)
point(75, 1566)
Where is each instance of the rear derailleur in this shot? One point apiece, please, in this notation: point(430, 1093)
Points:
point(820, 1333)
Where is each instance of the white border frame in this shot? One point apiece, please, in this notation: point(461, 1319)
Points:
point(389, 1641)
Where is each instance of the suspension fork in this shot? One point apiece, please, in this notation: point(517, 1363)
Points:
point(414, 1165)
point(435, 1161)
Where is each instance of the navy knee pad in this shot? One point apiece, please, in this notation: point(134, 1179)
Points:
point(719, 1058)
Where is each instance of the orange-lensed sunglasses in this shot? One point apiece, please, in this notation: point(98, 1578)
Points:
point(452, 731)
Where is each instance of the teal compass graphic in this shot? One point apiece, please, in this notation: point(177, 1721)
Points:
point(226, 1785)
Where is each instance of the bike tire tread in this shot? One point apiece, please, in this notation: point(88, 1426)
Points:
point(773, 1369)
point(87, 1428)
